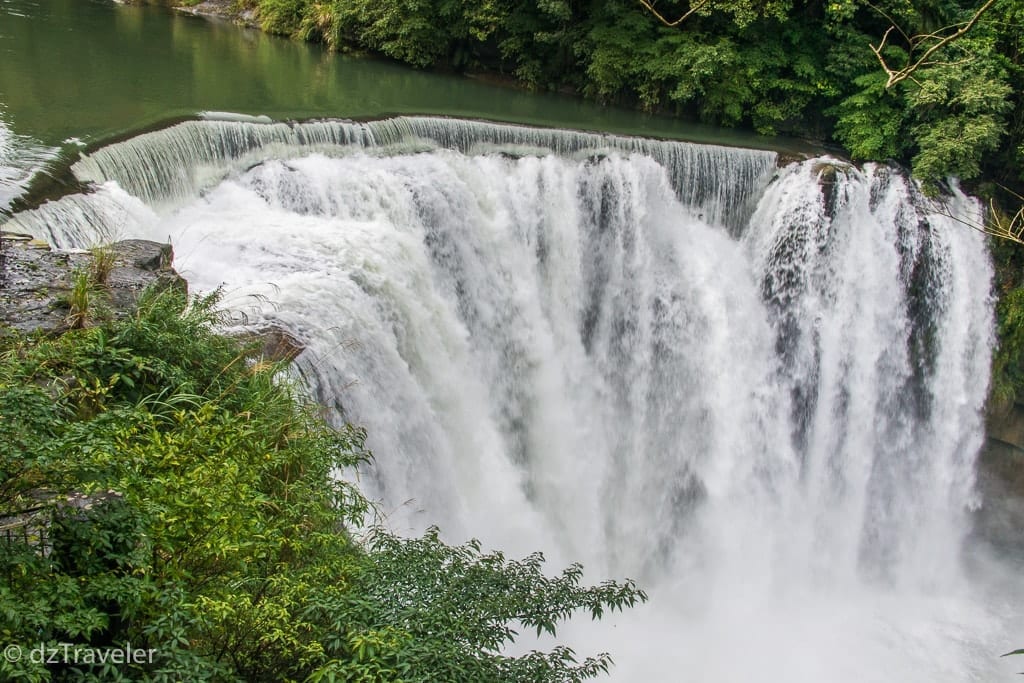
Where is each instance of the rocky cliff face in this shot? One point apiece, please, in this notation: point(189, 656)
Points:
point(36, 284)
point(36, 281)
point(1000, 519)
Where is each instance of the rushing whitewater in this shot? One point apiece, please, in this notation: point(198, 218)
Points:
point(20, 158)
point(759, 395)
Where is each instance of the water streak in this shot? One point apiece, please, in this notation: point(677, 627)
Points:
point(20, 159)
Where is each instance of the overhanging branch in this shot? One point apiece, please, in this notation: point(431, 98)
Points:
point(696, 7)
point(994, 223)
point(930, 43)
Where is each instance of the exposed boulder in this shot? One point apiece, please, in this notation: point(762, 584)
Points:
point(36, 280)
point(785, 158)
point(276, 344)
point(225, 10)
point(136, 265)
point(828, 173)
point(827, 169)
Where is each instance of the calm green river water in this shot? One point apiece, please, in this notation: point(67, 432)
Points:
point(91, 69)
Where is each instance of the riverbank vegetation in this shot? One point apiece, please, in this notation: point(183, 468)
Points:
point(162, 485)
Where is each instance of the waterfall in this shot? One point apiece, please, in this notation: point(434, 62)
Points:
point(759, 395)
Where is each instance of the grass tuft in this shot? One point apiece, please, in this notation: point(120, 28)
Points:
point(80, 301)
point(102, 264)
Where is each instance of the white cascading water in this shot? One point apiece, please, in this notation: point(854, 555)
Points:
point(761, 397)
point(20, 158)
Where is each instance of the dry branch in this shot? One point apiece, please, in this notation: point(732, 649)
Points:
point(696, 7)
point(934, 42)
point(995, 222)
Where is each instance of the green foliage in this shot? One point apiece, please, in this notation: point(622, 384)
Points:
point(959, 110)
point(949, 117)
point(871, 121)
point(282, 17)
point(1008, 363)
point(169, 491)
point(1008, 358)
point(455, 606)
point(407, 30)
point(613, 63)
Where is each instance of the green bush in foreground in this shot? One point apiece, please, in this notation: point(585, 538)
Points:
point(160, 487)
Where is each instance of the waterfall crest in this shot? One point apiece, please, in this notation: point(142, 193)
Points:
point(179, 161)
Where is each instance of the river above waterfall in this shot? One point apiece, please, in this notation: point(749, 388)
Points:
point(81, 71)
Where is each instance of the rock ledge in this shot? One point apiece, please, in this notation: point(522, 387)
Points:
point(36, 279)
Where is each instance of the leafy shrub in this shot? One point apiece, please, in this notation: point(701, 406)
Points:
point(176, 496)
point(81, 301)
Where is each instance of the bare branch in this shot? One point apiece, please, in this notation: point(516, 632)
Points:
point(649, 6)
point(937, 41)
point(895, 24)
point(995, 223)
point(1009, 228)
point(878, 53)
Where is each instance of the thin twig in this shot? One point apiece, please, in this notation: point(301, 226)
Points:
point(915, 43)
point(995, 223)
point(649, 6)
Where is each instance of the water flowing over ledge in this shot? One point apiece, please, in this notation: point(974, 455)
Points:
point(20, 159)
point(176, 162)
point(758, 394)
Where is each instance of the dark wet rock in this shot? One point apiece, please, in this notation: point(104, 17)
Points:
point(787, 158)
point(143, 255)
point(1005, 423)
point(138, 264)
point(36, 280)
point(828, 172)
point(1000, 519)
point(276, 344)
